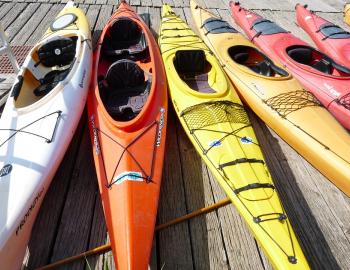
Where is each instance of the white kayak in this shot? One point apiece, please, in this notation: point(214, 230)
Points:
point(37, 125)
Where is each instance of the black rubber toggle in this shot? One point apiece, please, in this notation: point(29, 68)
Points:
point(241, 160)
point(282, 217)
point(270, 216)
point(292, 259)
point(253, 186)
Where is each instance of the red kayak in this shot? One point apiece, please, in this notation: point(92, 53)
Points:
point(320, 74)
point(328, 37)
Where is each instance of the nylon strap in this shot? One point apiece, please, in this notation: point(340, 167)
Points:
point(241, 160)
point(254, 186)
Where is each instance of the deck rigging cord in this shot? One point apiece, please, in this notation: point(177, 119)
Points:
point(147, 176)
point(21, 130)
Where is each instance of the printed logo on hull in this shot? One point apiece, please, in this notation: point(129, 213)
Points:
point(81, 84)
point(128, 176)
point(215, 143)
point(5, 170)
point(160, 127)
point(246, 140)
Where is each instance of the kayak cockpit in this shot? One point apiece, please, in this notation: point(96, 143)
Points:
point(125, 70)
point(49, 64)
point(310, 57)
point(256, 61)
point(196, 71)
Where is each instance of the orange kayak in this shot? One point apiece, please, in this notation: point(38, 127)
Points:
point(127, 107)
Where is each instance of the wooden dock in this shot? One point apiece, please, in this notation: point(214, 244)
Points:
point(71, 219)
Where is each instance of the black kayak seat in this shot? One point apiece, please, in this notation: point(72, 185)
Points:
point(332, 31)
point(240, 54)
point(325, 64)
point(49, 81)
point(301, 55)
point(190, 61)
point(124, 90)
point(267, 27)
point(241, 57)
point(191, 66)
point(59, 52)
point(124, 37)
point(217, 26)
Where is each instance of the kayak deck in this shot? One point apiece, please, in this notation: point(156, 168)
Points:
point(71, 218)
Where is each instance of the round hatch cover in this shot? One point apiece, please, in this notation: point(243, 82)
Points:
point(63, 21)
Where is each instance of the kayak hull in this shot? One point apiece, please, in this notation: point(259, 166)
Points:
point(221, 40)
point(219, 128)
point(129, 157)
point(34, 141)
point(330, 89)
point(336, 47)
point(331, 157)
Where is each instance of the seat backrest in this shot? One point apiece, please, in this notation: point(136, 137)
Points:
point(58, 52)
point(323, 66)
point(124, 36)
point(124, 32)
point(190, 61)
point(240, 57)
point(301, 55)
point(125, 74)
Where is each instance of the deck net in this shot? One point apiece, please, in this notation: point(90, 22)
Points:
point(287, 103)
point(211, 113)
point(345, 101)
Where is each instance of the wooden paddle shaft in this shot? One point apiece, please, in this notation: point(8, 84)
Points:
point(105, 248)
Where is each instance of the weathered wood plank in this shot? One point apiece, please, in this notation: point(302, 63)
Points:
point(92, 15)
point(6, 83)
point(77, 216)
point(157, 3)
point(44, 25)
point(174, 245)
point(179, 3)
point(206, 240)
point(169, 2)
point(146, 3)
point(27, 30)
point(5, 8)
point(101, 2)
point(89, 2)
point(155, 20)
point(49, 217)
point(23, 17)
point(104, 15)
point(12, 14)
point(98, 234)
point(215, 4)
point(135, 2)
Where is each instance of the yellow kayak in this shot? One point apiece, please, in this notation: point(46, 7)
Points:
point(347, 13)
point(280, 101)
point(214, 119)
